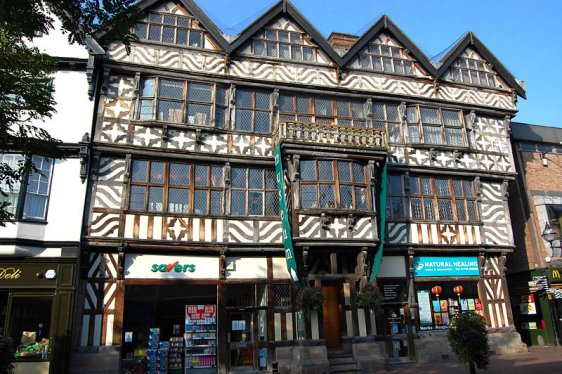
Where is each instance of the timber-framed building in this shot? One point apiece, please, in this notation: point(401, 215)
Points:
point(228, 171)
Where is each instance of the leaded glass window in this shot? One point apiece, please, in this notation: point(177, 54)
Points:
point(386, 58)
point(176, 187)
point(253, 111)
point(254, 192)
point(472, 71)
point(170, 29)
point(442, 199)
point(435, 126)
point(329, 111)
point(178, 101)
point(334, 184)
point(284, 44)
point(387, 116)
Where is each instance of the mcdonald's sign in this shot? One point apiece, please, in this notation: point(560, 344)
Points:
point(556, 274)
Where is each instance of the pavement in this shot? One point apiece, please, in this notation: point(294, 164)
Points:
point(538, 360)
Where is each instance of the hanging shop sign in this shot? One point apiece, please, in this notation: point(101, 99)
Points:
point(425, 266)
point(287, 240)
point(170, 267)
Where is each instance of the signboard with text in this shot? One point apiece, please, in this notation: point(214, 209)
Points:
point(141, 266)
point(425, 266)
point(287, 240)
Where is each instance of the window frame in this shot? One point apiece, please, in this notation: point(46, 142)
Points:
point(386, 123)
point(190, 186)
point(189, 29)
point(373, 52)
point(468, 70)
point(423, 125)
point(434, 197)
point(336, 185)
point(253, 109)
point(186, 102)
point(22, 197)
point(266, 190)
point(264, 37)
point(313, 116)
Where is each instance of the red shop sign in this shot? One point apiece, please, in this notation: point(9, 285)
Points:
point(200, 312)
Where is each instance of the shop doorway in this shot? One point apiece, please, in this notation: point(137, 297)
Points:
point(397, 333)
point(331, 317)
point(247, 327)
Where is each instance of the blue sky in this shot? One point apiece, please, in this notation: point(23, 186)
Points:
point(523, 35)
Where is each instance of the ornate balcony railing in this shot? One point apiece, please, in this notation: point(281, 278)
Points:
point(339, 136)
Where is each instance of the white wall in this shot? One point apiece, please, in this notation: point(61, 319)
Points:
point(55, 43)
point(74, 110)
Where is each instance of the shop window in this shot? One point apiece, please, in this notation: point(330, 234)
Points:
point(176, 187)
point(387, 116)
point(282, 296)
point(333, 184)
point(247, 295)
point(442, 199)
point(253, 111)
point(31, 202)
point(435, 126)
point(178, 101)
point(287, 45)
point(29, 326)
point(440, 301)
point(254, 192)
point(170, 29)
point(328, 111)
point(471, 71)
point(386, 58)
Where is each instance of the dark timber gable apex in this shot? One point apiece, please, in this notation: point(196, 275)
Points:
point(471, 40)
point(205, 21)
point(385, 24)
point(286, 8)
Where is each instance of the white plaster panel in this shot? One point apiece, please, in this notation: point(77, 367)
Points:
point(248, 267)
point(279, 265)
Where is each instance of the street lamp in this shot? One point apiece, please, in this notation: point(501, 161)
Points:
point(550, 235)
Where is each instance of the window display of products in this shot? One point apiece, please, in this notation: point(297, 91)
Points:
point(175, 355)
point(200, 337)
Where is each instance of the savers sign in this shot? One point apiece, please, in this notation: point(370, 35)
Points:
point(140, 266)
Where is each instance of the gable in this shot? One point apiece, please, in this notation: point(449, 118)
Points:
point(284, 39)
point(171, 23)
point(472, 69)
point(385, 54)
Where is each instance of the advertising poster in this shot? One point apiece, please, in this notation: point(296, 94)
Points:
point(424, 305)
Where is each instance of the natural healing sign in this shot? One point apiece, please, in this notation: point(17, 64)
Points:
point(445, 266)
point(287, 240)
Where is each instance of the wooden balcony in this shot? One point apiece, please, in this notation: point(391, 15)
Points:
point(332, 135)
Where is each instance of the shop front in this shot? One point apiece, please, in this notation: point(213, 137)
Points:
point(203, 314)
point(36, 308)
point(445, 287)
point(170, 314)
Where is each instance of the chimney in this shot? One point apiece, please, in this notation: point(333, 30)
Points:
point(342, 42)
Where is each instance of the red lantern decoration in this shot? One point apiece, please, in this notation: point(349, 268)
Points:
point(436, 290)
point(458, 290)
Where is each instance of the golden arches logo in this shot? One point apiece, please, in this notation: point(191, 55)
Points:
point(555, 273)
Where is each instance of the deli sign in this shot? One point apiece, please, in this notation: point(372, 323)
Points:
point(10, 273)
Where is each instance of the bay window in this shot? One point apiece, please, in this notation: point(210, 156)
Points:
point(178, 101)
point(333, 184)
point(253, 111)
point(176, 187)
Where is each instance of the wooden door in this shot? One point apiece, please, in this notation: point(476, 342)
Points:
point(330, 314)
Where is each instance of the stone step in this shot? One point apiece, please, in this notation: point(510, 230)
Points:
point(342, 362)
point(352, 368)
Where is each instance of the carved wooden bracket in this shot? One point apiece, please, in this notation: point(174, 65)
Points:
point(351, 222)
point(198, 136)
point(120, 262)
point(84, 154)
point(325, 221)
point(433, 153)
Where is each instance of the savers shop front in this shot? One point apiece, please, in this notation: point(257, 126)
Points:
point(445, 287)
point(36, 308)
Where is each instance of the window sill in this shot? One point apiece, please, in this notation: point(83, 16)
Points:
point(335, 211)
point(184, 125)
point(29, 220)
point(473, 223)
point(439, 147)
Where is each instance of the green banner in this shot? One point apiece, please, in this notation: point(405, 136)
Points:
point(381, 190)
point(287, 240)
